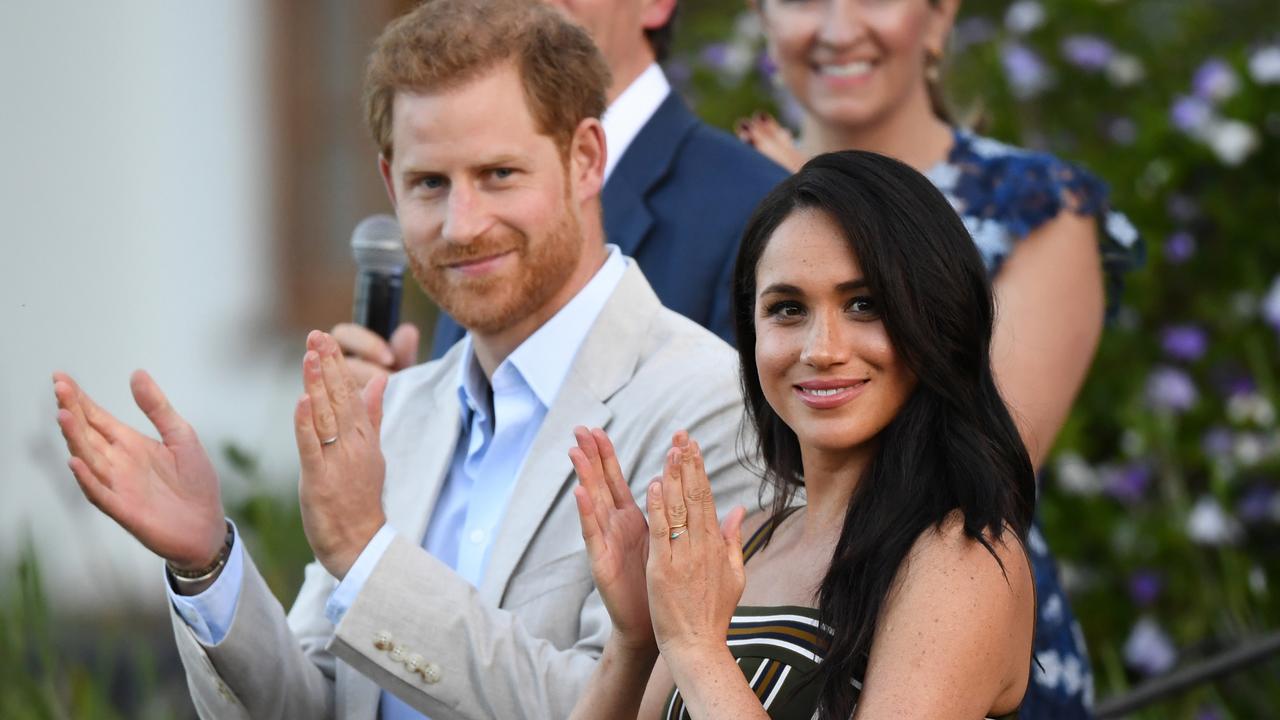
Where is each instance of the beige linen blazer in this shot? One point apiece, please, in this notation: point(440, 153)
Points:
point(525, 642)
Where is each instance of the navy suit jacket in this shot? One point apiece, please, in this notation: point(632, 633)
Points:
point(677, 202)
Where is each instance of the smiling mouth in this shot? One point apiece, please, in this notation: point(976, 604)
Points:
point(855, 69)
point(478, 266)
point(824, 394)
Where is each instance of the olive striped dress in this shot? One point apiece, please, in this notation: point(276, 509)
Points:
point(779, 649)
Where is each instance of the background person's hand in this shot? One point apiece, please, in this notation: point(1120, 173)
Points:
point(336, 428)
point(696, 578)
point(616, 535)
point(164, 493)
point(774, 141)
point(369, 356)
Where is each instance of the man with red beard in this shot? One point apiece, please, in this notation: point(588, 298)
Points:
point(451, 577)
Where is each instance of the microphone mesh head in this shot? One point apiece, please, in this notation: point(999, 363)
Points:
point(376, 244)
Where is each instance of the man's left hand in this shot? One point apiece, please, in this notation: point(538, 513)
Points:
point(336, 427)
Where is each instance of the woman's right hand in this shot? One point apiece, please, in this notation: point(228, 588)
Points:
point(617, 537)
point(762, 132)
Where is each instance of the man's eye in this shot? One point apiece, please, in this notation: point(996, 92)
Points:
point(431, 182)
point(503, 173)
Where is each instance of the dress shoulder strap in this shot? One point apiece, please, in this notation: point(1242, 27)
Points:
point(764, 533)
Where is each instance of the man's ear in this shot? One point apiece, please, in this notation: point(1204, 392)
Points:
point(384, 169)
point(657, 13)
point(587, 153)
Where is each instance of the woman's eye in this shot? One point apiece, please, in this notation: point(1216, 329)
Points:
point(863, 306)
point(785, 310)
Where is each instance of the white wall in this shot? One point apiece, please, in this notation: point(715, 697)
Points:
point(134, 184)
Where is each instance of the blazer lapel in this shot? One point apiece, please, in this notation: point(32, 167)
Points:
point(648, 159)
point(605, 363)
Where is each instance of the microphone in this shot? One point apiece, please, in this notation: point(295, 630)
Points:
point(380, 260)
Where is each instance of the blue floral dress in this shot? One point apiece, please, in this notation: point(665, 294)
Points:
point(1003, 194)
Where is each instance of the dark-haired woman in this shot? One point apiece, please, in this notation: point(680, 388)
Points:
point(900, 586)
point(866, 74)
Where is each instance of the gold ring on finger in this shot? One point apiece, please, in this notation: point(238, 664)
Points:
point(678, 530)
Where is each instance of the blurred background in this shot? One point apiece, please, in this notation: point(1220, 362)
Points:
point(180, 181)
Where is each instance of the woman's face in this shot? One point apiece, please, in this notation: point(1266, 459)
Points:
point(855, 62)
point(826, 364)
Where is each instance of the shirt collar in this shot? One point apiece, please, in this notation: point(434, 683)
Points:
point(627, 114)
point(542, 361)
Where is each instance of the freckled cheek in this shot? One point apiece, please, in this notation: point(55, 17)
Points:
point(774, 359)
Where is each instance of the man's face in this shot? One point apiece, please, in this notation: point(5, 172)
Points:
point(484, 201)
point(617, 27)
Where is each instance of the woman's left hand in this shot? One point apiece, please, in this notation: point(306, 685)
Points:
point(695, 573)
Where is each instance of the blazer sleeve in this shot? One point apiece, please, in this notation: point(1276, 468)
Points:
point(422, 632)
point(268, 666)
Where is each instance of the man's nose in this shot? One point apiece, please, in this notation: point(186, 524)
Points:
point(466, 215)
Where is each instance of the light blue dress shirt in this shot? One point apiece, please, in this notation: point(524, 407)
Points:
point(499, 419)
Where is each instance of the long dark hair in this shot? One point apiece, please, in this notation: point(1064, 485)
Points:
point(952, 446)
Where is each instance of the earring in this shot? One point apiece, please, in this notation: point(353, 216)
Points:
point(932, 65)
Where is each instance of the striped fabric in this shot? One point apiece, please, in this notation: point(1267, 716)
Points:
point(779, 649)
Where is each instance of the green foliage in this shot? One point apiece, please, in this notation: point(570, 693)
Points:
point(1163, 499)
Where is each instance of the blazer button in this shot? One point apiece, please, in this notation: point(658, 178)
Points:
point(415, 663)
point(431, 674)
point(382, 640)
point(397, 653)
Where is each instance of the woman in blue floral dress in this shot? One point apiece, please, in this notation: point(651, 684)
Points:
point(866, 74)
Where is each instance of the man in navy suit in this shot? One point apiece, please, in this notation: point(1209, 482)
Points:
point(677, 192)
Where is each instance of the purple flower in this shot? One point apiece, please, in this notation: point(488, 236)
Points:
point(1122, 131)
point(1184, 342)
point(1127, 484)
point(1217, 442)
point(1256, 503)
point(1190, 114)
point(1182, 208)
point(972, 31)
point(1088, 52)
point(765, 64)
point(1271, 305)
point(1179, 247)
point(715, 55)
point(1145, 586)
point(1215, 80)
point(1208, 712)
point(1025, 70)
point(1149, 649)
point(1171, 389)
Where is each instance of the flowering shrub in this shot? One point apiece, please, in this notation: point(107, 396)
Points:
point(1162, 499)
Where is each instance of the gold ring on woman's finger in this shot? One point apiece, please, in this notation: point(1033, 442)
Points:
point(678, 530)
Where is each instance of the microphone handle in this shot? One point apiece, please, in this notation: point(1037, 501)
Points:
point(377, 301)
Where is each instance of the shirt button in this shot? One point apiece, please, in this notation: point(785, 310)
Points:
point(477, 536)
point(431, 674)
point(415, 663)
point(382, 640)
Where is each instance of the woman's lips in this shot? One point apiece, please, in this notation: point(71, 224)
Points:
point(827, 394)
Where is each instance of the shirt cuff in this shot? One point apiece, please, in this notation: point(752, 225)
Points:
point(345, 593)
point(209, 613)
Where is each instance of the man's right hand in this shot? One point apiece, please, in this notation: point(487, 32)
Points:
point(369, 356)
point(164, 493)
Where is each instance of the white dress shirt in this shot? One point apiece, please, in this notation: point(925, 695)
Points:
point(499, 420)
point(629, 112)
